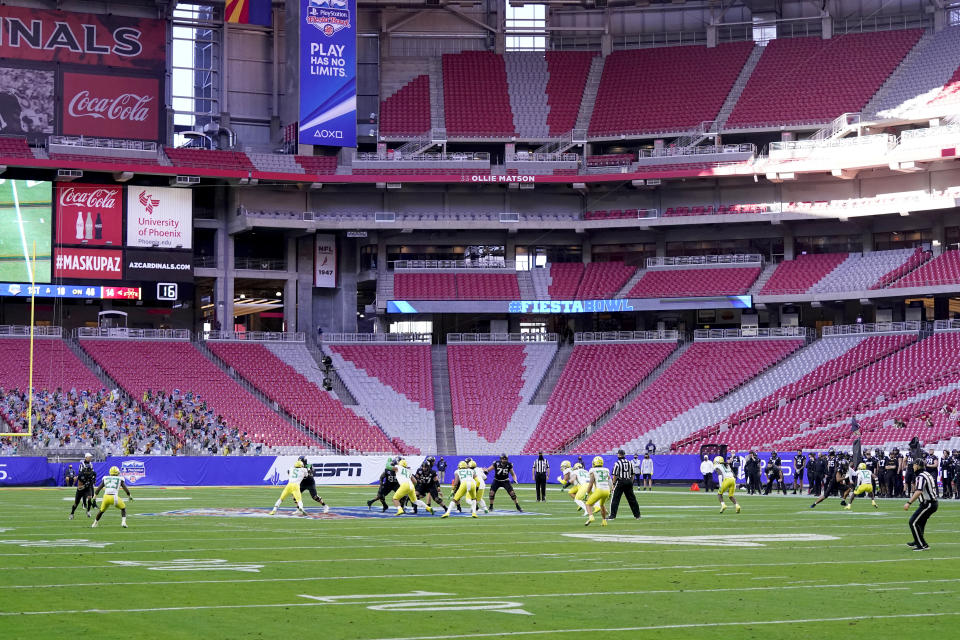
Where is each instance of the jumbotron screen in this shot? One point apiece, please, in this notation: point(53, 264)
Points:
point(26, 225)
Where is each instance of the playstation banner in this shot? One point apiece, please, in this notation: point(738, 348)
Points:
point(328, 72)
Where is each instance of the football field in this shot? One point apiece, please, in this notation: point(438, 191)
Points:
point(210, 563)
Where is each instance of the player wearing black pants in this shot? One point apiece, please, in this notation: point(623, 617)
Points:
point(831, 478)
point(86, 480)
point(799, 461)
point(388, 483)
point(427, 484)
point(926, 492)
point(541, 467)
point(623, 486)
point(775, 474)
point(308, 484)
point(503, 471)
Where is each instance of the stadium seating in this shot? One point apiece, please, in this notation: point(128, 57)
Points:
point(703, 373)
point(564, 279)
point(944, 269)
point(859, 272)
point(527, 78)
point(488, 286)
point(208, 159)
point(452, 286)
point(405, 368)
point(568, 76)
point(665, 89)
point(587, 389)
point(812, 80)
point(610, 160)
point(603, 280)
point(320, 165)
point(475, 95)
point(801, 273)
point(424, 286)
point(916, 259)
point(922, 77)
point(407, 112)
point(950, 92)
point(320, 411)
point(69, 158)
point(12, 147)
point(55, 366)
point(666, 283)
point(169, 365)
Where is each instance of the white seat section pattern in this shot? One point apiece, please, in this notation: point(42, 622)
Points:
point(859, 272)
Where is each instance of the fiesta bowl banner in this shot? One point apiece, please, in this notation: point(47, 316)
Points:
point(89, 214)
point(328, 72)
point(159, 217)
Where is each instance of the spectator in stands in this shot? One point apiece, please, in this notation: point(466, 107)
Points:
point(651, 448)
point(706, 469)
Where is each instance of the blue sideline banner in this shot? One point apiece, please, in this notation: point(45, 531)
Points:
point(328, 72)
point(27, 472)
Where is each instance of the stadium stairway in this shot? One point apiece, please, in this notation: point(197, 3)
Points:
point(764, 277)
point(739, 84)
point(552, 375)
point(624, 291)
point(108, 382)
point(633, 393)
point(540, 278)
point(590, 93)
point(442, 406)
point(527, 85)
point(438, 118)
point(528, 288)
point(259, 395)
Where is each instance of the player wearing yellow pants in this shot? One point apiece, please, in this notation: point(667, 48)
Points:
point(728, 483)
point(407, 489)
point(480, 477)
point(598, 486)
point(864, 485)
point(112, 484)
point(465, 486)
point(295, 475)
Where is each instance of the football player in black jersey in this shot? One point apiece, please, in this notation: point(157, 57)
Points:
point(891, 473)
point(775, 474)
point(86, 480)
point(831, 478)
point(799, 461)
point(388, 482)
point(427, 484)
point(906, 468)
point(308, 484)
point(503, 471)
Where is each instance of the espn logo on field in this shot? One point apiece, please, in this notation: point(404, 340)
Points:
point(99, 264)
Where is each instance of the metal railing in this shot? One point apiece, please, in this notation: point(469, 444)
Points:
point(933, 136)
point(668, 335)
point(532, 156)
point(880, 140)
point(400, 265)
point(947, 325)
point(670, 152)
point(477, 156)
point(352, 338)
point(748, 333)
point(102, 143)
point(123, 333)
point(500, 338)
point(873, 328)
point(840, 123)
point(23, 331)
point(259, 264)
point(205, 262)
point(740, 258)
point(254, 336)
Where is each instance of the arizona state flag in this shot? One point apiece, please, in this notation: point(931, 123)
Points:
point(249, 12)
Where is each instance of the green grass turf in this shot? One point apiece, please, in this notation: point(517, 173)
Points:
point(860, 584)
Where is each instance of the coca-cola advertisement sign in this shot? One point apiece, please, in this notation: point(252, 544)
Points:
point(102, 40)
point(98, 264)
point(111, 106)
point(89, 214)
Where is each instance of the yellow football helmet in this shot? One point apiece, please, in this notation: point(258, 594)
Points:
point(578, 466)
point(462, 465)
point(598, 461)
point(114, 471)
point(565, 464)
point(718, 460)
point(472, 465)
point(403, 463)
point(862, 465)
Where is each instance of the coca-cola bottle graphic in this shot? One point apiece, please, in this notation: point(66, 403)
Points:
point(79, 225)
point(98, 228)
point(89, 228)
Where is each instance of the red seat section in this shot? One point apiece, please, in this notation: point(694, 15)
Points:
point(801, 273)
point(54, 366)
point(404, 368)
point(918, 258)
point(665, 88)
point(568, 76)
point(320, 165)
point(11, 147)
point(595, 378)
point(407, 112)
point(603, 280)
point(168, 365)
point(488, 286)
point(811, 80)
point(320, 411)
point(86, 157)
point(208, 159)
point(944, 269)
point(424, 286)
point(485, 382)
point(704, 373)
point(476, 98)
point(665, 283)
point(565, 280)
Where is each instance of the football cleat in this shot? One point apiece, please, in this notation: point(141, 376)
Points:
point(71, 516)
point(738, 508)
point(849, 507)
point(723, 507)
point(273, 511)
point(399, 512)
point(589, 520)
point(326, 508)
point(94, 525)
point(874, 503)
point(603, 523)
point(474, 515)
point(429, 509)
point(445, 515)
point(123, 524)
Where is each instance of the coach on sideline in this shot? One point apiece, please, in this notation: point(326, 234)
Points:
point(926, 491)
point(623, 484)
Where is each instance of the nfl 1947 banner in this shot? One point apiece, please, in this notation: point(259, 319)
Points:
point(328, 72)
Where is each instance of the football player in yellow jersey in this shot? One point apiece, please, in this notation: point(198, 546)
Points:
point(112, 483)
point(407, 489)
point(728, 483)
point(464, 486)
point(296, 475)
point(480, 477)
point(599, 489)
point(865, 479)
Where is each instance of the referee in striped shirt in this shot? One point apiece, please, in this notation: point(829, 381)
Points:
point(926, 492)
point(623, 473)
point(540, 470)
